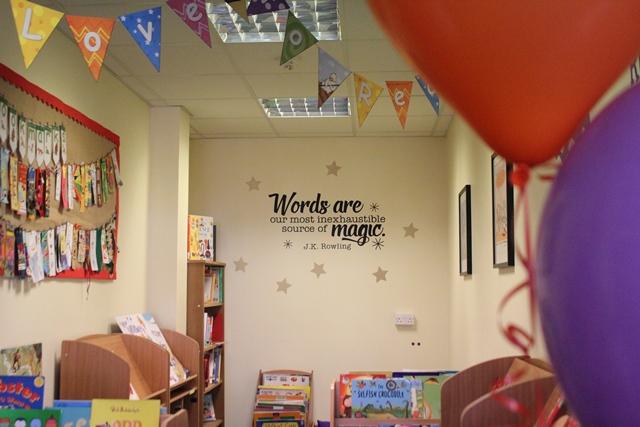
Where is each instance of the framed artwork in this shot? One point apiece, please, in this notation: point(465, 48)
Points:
point(502, 208)
point(464, 230)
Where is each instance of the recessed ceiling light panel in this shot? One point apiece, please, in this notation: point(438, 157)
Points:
point(337, 106)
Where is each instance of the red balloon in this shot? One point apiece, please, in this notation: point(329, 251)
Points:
point(522, 73)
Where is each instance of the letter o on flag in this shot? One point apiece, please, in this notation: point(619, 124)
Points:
point(92, 41)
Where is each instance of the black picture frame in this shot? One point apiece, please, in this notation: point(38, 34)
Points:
point(502, 213)
point(464, 232)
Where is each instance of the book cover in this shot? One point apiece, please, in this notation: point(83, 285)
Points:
point(279, 423)
point(21, 392)
point(110, 412)
point(200, 230)
point(30, 417)
point(209, 413)
point(73, 413)
point(381, 398)
point(344, 396)
point(285, 379)
point(23, 360)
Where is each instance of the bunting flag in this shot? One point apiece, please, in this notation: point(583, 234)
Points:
point(194, 14)
point(431, 95)
point(257, 7)
point(34, 24)
point(367, 93)
point(92, 35)
point(400, 93)
point(145, 27)
point(239, 7)
point(297, 39)
point(331, 74)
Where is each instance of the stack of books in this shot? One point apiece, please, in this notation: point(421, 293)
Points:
point(283, 399)
point(213, 289)
point(212, 366)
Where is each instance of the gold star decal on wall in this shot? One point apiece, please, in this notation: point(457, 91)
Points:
point(333, 168)
point(283, 286)
point(253, 184)
point(381, 275)
point(241, 264)
point(318, 269)
point(410, 231)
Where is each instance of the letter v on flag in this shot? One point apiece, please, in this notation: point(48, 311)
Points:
point(367, 93)
point(93, 36)
point(400, 93)
point(145, 27)
point(34, 24)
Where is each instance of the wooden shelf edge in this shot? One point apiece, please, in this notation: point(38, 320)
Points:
point(184, 394)
point(212, 346)
point(211, 304)
point(208, 263)
point(212, 423)
point(154, 394)
point(346, 422)
point(183, 382)
point(212, 387)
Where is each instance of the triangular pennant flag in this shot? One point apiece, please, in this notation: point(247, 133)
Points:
point(239, 7)
point(400, 93)
point(331, 74)
point(431, 95)
point(145, 28)
point(93, 36)
point(367, 93)
point(194, 14)
point(297, 39)
point(34, 24)
point(257, 7)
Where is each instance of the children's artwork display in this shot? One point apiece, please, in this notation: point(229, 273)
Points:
point(21, 392)
point(59, 187)
point(23, 360)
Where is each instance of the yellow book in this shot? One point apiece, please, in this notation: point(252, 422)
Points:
point(120, 413)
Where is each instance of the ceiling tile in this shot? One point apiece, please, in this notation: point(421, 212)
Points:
point(374, 55)
point(317, 125)
point(232, 127)
point(221, 108)
point(357, 22)
point(197, 87)
point(140, 88)
point(384, 124)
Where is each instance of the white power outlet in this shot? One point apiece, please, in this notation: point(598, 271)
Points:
point(405, 319)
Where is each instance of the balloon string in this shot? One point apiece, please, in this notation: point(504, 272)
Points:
point(511, 404)
point(515, 334)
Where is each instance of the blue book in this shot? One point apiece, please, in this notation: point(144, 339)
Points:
point(73, 413)
point(381, 398)
point(21, 392)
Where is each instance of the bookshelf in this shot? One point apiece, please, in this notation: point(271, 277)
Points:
point(201, 279)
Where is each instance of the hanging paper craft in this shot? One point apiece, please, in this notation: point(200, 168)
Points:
point(70, 186)
point(4, 176)
point(51, 242)
point(31, 142)
point(257, 7)
point(22, 136)
point(34, 24)
point(239, 7)
point(331, 74)
point(400, 93)
point(22, 189)
point(34, 255)
point(114, 161)
point(92, 36)
point(40, 145)
point(13, 130)
point(56, 145)
point(297, 39)
point(63, 144)
point(431, 95)
point(367, 93)
point(4, 122)
point(194, 14)
point(13, 183)
point(145, 28)
point(48, 145)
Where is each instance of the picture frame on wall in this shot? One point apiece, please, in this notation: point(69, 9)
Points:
point(464, 231)
point(502, 212)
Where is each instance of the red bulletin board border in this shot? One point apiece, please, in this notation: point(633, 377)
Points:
point(54, 102)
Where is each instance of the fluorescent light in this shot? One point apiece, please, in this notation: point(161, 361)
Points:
point(319, 16)
point(337, 106)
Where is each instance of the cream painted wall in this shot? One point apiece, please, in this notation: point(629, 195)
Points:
point(344, 320)
point(57, 310)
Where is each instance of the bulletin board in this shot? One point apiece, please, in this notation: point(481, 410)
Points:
point(87, 142)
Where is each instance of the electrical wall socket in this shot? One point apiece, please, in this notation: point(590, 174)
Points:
point(405, 319)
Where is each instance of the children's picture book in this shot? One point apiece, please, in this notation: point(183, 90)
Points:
point(23, 360)
point(285, 379)
point(428, 401)
point(345, 406)
point(201, 244)
point(381, 399)
point(73, 413)
point(113, 412)
point(21, 392)
point(209, 411)
point(29, 417)
point(144, 325)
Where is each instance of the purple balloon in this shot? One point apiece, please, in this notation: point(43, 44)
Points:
point(588, 269)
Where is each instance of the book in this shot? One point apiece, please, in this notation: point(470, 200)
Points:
point(73, 413)
point(200, 238)
point(29, 417)
point(381, 398)
point(209, 413)
point(428, 400)
point(344, 391)
point(208, 288)
point(21, 392)
point(144, 325)
point(285, 379)
point(23, 360)
point(110, 412)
